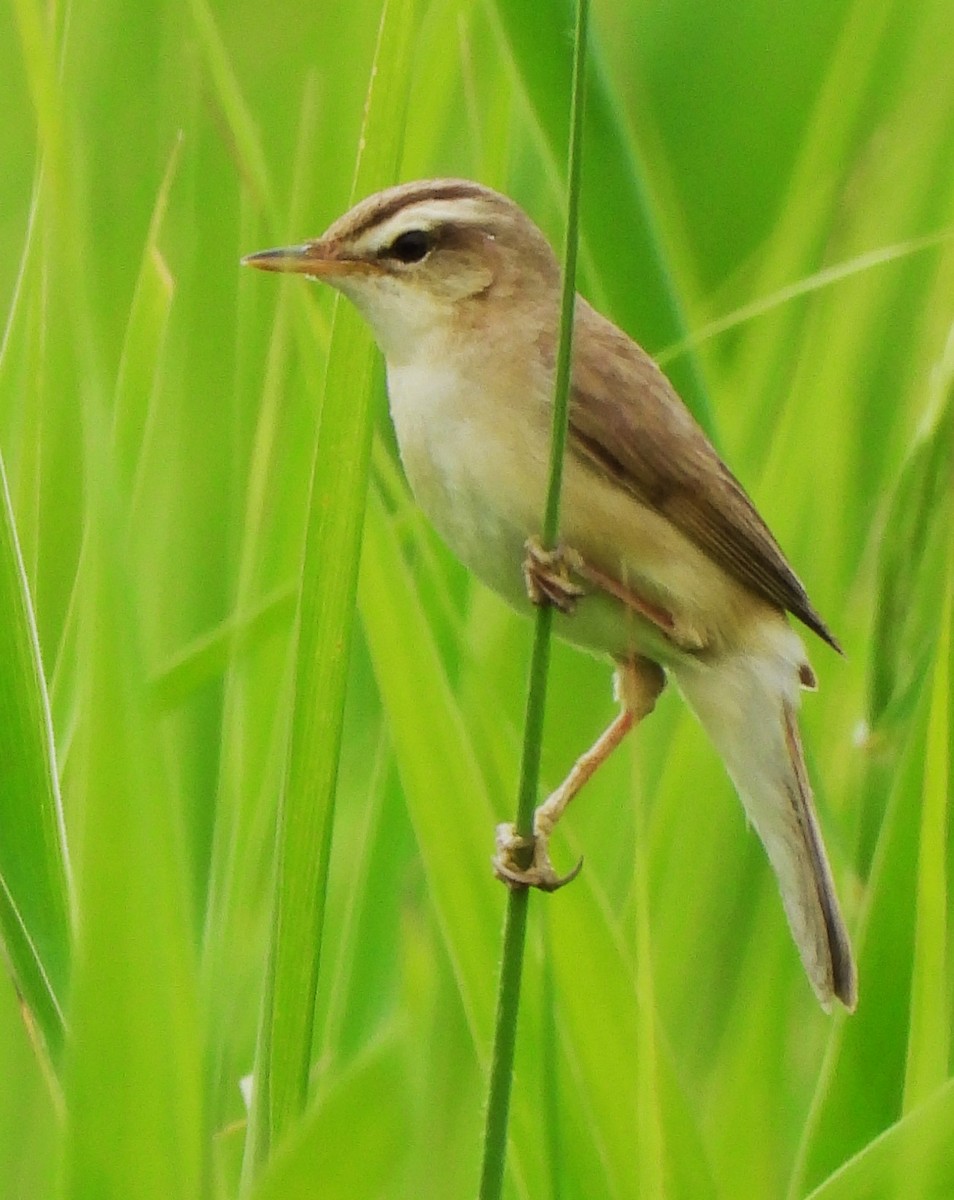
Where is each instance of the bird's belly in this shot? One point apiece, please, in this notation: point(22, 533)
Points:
point(489, 538)
point(467, 479)
point(481, 478)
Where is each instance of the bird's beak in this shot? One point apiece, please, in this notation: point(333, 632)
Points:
point(318, 259)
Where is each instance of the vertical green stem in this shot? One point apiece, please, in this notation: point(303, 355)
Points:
point(511, 971)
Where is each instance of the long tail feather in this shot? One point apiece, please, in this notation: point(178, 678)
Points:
point(747, 703)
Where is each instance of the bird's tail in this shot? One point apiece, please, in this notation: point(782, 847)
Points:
point(748, 703)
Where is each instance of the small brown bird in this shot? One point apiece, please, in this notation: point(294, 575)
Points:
point(664, 564)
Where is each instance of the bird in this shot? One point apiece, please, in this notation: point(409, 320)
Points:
point(663, 564)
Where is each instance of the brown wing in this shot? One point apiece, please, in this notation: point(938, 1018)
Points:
point(645, 438)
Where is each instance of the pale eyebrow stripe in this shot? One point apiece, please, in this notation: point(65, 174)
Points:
point(449, 191)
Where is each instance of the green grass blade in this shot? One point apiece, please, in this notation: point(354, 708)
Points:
point(34, 872)
point(929, 1036)
point(134, 414)
point(207, 656)
point(911, 562)
point(911, 1158)
point(919, 504)
point(800, 233)
point(329, 577)
point(250, 648)
point(136, 1122)
point(442, 780)
point(375, 1135)
point(852, 1107)
point(323, 625)
point(237, 120)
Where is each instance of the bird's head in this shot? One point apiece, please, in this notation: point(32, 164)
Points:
point(427, 257)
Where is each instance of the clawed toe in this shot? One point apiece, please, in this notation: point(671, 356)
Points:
point(548, 576)
point(522, 862)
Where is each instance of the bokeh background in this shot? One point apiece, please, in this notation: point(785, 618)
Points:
point(768, 204)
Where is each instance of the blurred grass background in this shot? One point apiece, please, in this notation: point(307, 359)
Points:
point(157, 423)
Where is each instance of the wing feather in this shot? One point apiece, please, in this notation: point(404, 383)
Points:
point(644, 437)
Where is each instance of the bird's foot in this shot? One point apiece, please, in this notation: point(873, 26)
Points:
point(548, 575)
point(524, 862)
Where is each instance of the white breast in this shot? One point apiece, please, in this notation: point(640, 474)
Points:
point(472, 466)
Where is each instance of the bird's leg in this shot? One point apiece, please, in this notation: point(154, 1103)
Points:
point(676, 629)
point(560, 577)
point(525, 862)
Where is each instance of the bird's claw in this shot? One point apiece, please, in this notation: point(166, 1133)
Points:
point(548, 575)
point(524, 862)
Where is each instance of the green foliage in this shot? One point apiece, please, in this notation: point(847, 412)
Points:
point(339, 481)
point(177, 674)
point(33, 871)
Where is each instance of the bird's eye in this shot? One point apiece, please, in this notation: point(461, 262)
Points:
point(410, 247)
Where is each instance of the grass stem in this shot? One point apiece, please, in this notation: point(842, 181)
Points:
point(508, 997)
